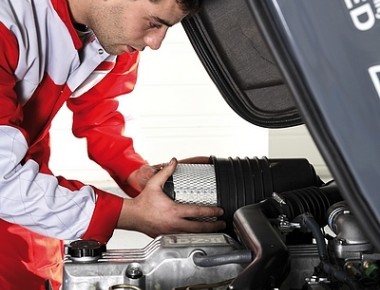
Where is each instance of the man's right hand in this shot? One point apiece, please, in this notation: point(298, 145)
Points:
point(154, 213)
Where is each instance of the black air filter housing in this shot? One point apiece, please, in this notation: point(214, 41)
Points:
point(232, 183)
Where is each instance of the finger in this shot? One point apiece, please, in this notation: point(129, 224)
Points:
point(196, 160)
point(162, 176)
point(160, 166)
point(148, 170)
point(196, 211)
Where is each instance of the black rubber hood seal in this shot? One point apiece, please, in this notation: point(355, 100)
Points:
point(237, 59)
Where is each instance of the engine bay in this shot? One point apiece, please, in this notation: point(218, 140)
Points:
point(286, 229)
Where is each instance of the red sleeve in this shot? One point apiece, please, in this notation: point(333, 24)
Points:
point(95, 117)
point(107, 207)
point(105, 217)
point(10, 109)
point(106, 213)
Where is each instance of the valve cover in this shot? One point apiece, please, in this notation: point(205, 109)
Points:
point(165, 263)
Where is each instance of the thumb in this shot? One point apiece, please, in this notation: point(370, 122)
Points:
point(163, 175)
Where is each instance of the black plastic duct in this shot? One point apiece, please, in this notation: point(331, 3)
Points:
point(238, 182)
point(253, 225)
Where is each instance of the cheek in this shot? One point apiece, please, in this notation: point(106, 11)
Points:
point(135, 33)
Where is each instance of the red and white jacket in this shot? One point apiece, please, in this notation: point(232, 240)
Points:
point(44, 64)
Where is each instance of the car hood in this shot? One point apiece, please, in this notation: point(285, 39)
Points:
point(281, 63)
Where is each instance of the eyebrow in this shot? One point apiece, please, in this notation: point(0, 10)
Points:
point(162, 21)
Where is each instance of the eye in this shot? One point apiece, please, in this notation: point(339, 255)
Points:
point(154, 25)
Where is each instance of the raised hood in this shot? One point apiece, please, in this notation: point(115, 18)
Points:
point(238, 60)
point(279, 63)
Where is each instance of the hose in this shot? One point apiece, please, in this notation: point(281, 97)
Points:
point(234, 257)
point(315, 229)
point(338, 274)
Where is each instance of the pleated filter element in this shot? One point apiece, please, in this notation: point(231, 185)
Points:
point(193, 184)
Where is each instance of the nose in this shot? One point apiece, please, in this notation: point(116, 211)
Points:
point(155, 37)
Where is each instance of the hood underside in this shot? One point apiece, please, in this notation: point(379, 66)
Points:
point(280, 63)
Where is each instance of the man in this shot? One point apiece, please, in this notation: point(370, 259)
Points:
point(83, 53)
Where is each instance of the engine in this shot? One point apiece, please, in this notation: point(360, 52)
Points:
point(286, 229)
point(168, 262)
point(305, 239)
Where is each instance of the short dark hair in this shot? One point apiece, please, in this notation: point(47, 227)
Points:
point(189, 6)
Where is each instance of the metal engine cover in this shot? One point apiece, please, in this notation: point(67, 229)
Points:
point(165, 263)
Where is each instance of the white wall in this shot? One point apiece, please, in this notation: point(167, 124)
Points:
point(175, 110)
point(296, 142)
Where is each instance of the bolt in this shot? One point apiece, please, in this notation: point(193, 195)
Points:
point(134, 271)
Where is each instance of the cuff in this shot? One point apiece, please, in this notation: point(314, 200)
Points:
point(105, 217)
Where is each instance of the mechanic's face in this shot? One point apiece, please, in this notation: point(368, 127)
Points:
point(129, 25)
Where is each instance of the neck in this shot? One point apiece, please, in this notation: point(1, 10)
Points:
point(77, 13)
